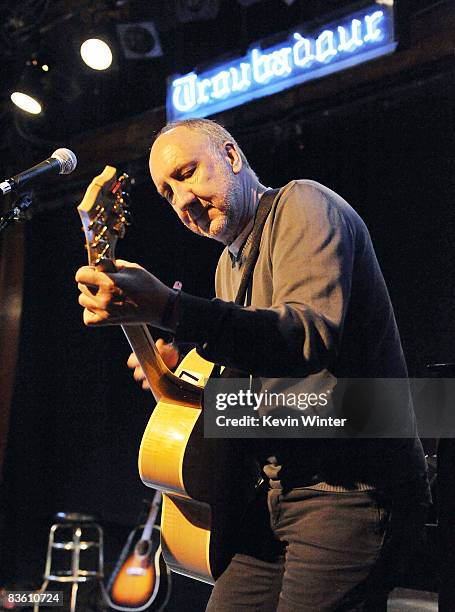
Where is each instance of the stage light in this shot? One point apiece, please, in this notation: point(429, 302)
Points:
point(29, 90)
point(139, 40)
point(26, 103)
point(96, 54)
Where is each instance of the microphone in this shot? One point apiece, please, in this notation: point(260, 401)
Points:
point(62, 161)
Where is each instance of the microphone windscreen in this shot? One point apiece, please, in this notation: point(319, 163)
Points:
point(67, 159)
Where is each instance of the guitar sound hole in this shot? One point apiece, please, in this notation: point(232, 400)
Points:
point(142, 548)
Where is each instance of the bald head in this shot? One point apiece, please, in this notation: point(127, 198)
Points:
point(203, 181)
point(216, 133)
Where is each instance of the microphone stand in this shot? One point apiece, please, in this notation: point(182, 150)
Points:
point(21, 211)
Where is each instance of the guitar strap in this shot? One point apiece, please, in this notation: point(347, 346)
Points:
point(252, 475)
point(262, 212)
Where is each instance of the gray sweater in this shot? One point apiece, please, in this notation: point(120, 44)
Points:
point(318, 303)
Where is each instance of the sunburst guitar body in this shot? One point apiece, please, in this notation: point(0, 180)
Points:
point(136, 581)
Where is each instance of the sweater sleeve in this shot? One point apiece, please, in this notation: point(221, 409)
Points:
point(310, 254)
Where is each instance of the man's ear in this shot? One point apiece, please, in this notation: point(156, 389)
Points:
point(233, 157)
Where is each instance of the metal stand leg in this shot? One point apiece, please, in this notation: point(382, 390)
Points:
point(74, 588)
point(41, 590)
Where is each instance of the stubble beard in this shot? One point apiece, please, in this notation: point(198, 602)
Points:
point(225, 227)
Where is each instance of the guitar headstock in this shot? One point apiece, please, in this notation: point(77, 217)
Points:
point(104, 214)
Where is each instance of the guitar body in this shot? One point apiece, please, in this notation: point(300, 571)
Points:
point(135, 582)
point(142, 581)
point(202, 504)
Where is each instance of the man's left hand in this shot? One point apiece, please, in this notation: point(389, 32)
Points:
point(128, 295)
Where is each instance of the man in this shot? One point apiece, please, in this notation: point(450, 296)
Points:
point(317, 305)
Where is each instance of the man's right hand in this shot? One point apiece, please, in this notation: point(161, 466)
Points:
point(169, 353)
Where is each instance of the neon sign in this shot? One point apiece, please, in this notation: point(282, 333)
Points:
point(303, 56)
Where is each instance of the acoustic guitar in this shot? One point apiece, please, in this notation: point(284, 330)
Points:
point(202, 501)
point(141, 580)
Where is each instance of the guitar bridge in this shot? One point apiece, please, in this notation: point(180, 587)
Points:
point(136, 571)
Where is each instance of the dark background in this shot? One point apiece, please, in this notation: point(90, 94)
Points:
point(77, 417)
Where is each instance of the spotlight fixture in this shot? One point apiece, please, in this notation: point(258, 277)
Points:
point(139, 40)
point(29, 91)
point(96, 54)
point(26, 103)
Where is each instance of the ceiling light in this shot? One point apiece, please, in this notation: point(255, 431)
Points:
point(26, 103)
point(96, 54)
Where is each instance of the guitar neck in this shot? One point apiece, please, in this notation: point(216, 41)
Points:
point(104, 215)
point(151, 519)
point(163, 383)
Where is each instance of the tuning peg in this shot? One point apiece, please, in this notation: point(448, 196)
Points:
point(97, 244)
point(125, 200)
point(126, 217)
point(96, 223)
point(125, 182)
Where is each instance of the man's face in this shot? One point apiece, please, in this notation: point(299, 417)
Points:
point(202, 186)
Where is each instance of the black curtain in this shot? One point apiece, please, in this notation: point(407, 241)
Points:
point(78, 417)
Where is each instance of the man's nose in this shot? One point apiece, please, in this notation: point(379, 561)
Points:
point(183, 198)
